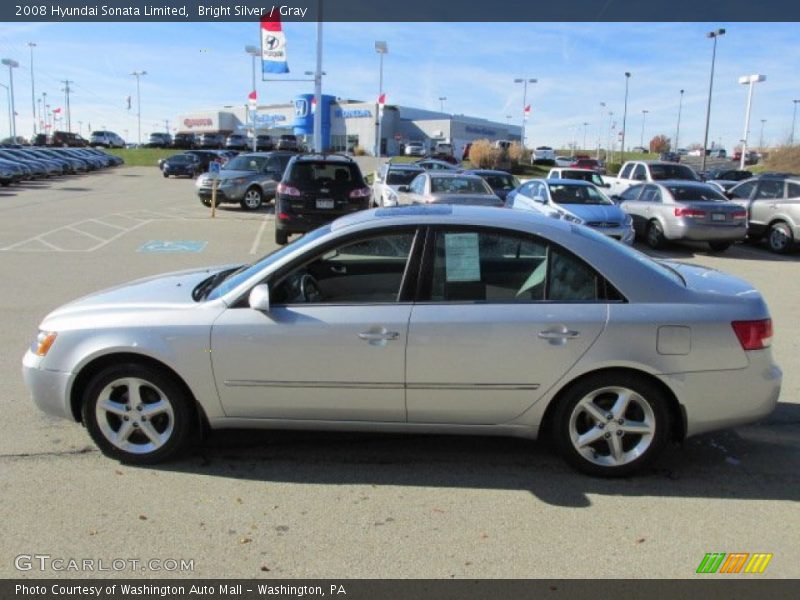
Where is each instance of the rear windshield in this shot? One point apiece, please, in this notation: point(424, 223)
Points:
point(581, 175)
point(687, 193)
point(401, 177)
point(289, 137)
point(459, 185)
point(659, 172)
point(317, 173)
point(181, 158)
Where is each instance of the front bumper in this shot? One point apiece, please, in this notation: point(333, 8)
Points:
point(227, 193)
point(49, 389)
point(621, 234)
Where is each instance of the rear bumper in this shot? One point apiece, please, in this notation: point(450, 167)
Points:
point(687, 229)
point(715, 400)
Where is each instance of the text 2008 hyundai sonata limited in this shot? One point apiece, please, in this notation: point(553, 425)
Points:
point(435, 319)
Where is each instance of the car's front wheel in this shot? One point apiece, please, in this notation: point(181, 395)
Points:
point(253, 198)
point(137, 414)
point(780, 239)
point(612, 424)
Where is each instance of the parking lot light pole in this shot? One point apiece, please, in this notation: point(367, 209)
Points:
point(749, 80)
point(138, 75)
point(761, 137)
point(585, 125)
point(794, 118)
point(678, 128)
point(713, 35)
point(8, 98)
point(32, 45)
point(524, 83)
point(600, 131)
point(254, 52)
point(441, 103)
point(381, 48)
point(624, 118)
point(12, 64)
point(644, 116)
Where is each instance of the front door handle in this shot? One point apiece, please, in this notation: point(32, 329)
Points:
point(339, 269)
point(558, 337)
point(378, 337)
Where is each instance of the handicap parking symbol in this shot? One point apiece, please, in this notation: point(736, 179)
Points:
point(172, 246)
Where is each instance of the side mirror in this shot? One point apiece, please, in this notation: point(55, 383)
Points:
point(259, 298)
point(404, 189)
point(605, 185)
point(539, 199)
point(616, 199)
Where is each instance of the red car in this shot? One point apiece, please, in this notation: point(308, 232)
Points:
point(586, 163)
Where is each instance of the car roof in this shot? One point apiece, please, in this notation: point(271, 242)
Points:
point(682, 182)
point(404, 167)
point(452, 174)
point(572, 182)
point(485, 172)
point(323, 157)
point(578, 169)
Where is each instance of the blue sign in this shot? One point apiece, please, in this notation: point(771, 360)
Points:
point(354, 113)
point(172, 246)
point(213, 169)
point(268, 120)
point(303, 123)
point(479, 130)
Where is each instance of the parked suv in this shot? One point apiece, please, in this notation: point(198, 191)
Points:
point(211, 140)
point(184, 140)
point(287, 142)
point(238, 141)
point(67, 138)
point(264, 143)
point(316, 189)
point(773, 209)
point(160, 140)
point(248, 179)
point(106, 139)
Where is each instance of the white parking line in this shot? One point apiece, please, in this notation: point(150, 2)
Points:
point(86, 233)
point(257, 240)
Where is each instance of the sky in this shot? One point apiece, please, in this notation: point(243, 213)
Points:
point(578, 66)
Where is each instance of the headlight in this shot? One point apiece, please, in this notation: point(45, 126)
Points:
point(391, 197)
point(237, 181)
point(628, 220)
point(43, 342)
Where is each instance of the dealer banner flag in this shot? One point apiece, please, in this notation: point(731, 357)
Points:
point(273, 45)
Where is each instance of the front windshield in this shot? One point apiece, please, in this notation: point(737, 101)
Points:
point(576, 194)
point(181, 158)
point(501, 182)
point(240, 276)
point(459, 185)
point(246, 163)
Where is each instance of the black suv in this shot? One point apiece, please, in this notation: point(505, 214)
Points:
point(184, 140)
point(212, 140)
point(316, 189)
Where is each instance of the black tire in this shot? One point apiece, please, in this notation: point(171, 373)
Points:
point(719, 246)
point(253, 199)
point(178, 424)
point(165, 175)
point(780, 239)
point(205, 201)
point(655, 235)
point(281, 237)
point(601, 390)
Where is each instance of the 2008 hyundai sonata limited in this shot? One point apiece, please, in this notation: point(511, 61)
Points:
point(440, 319)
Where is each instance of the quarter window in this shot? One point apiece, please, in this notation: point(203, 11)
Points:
point(769, 189)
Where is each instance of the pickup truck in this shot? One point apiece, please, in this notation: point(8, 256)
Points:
point(639, 171)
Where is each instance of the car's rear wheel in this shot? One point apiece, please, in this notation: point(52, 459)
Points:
point(612, 424)
point(655, 235)
point(165, 175)
point(780, 239)
point(719, 246)
point(137, 414)
point(205, 201)
point(253, 198)
point(281, 237)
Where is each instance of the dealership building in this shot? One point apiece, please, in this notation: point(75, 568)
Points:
point(350, 124)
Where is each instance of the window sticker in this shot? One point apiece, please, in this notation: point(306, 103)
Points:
point(462, 257)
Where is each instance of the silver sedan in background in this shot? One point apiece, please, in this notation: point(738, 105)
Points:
point(683, 211)
point(418, 319)
point(446, 187)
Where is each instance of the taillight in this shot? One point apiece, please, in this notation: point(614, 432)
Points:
point(283, 216)
point(689, 212)
point(288, 190)
point(754, 335)
point(360, 193)
point(740, 214)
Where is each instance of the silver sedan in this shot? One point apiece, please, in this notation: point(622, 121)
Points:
point(446, 187)
point(686, 211)
point(418, 319)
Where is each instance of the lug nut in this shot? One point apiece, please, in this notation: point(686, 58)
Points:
point(607, 434)
point(140, 408)
point(601, 425)
point(609, 416)
point(620, 433)
point(621, 421)
point(144, 418)
point(135, 425)
point(125, 418)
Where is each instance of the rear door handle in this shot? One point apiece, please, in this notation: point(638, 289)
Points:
point(339, 269)
point(378, 338)
point(559, 336)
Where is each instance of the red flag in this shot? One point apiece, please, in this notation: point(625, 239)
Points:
point(252, 99)
point(57, 110)
point(382, 99)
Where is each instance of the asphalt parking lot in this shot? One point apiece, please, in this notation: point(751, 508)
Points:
point(263, 504)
